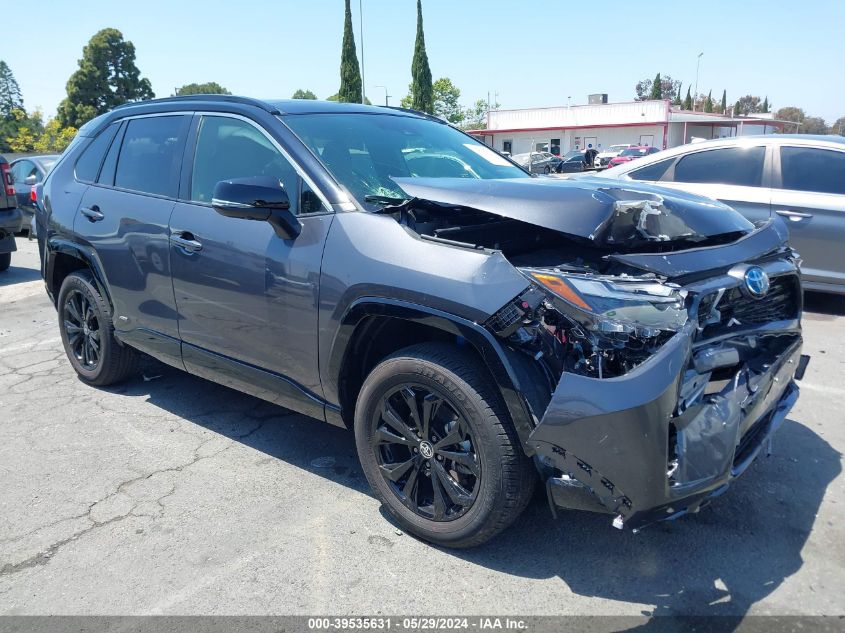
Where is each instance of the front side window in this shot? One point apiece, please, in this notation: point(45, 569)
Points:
point(230, 148)
point(729, 166)
point(365, 151)
point(150, 155)
point(811, 169)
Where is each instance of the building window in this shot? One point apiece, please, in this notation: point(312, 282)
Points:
point(507, 147)
point(541, 147)
point(555, 149)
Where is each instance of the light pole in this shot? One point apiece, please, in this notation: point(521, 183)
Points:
point(363, 89)
point(386, 96)
point(697, 66)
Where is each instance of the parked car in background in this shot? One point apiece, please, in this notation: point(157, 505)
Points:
point(26, 173)
point(629, 154)
point(537, 162)
point(635, 347)
point(11, 219)
point(604, 156)
point(576, 161)
point(801, 178)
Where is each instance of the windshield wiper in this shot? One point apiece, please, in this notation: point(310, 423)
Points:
point(383, 199)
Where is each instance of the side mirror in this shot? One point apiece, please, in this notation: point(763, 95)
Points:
point(30, 180)
point(260, 198)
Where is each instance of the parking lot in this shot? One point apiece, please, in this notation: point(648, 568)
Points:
point(172, 495)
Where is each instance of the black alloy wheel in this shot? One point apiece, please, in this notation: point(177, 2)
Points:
point(426, 453)
point(83, 329)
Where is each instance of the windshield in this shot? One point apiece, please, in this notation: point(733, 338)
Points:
point(616, 148)
point(633, 151)
point(364, 151)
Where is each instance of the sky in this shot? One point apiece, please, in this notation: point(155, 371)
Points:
point(529, 53)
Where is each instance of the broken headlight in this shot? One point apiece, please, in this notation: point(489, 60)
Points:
point(604, 326)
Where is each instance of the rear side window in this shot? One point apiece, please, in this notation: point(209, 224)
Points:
point(88, 164)
point(150, 155)
point(730, 166)
point(811, 169)
point(652, 172)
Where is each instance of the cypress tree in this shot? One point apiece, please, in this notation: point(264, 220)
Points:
point(10, 92)
point(677, 100)
point(350, 72)
point(688, 101)
point(708, 102)
point(737, 109)
point(421, 86)
point(765, 107)
point(724, 101)
point(656, 88)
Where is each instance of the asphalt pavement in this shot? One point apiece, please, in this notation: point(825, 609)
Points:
point(172, 495)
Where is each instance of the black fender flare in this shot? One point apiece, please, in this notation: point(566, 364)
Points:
point(484, 342)
point(84, 253)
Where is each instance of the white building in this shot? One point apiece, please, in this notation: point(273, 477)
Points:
point(656, 123)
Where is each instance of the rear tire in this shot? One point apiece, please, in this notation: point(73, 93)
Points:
point(454, 472)
point(5, 261)
point(88, 333)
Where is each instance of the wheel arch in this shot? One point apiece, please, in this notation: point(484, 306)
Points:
point(373, 328)
point(63, 258)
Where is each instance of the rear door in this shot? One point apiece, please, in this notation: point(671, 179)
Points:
point(125, 214)
point(810, 195)
point(738, 176)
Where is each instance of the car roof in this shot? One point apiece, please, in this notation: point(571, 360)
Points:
point(271, 106)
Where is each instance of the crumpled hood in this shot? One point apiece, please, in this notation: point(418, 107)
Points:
point(610, 213)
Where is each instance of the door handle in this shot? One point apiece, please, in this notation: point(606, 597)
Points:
point(186, 241)
point(92, 213)
point(794, 216)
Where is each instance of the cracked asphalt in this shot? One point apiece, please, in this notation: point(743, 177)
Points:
point(171, 495)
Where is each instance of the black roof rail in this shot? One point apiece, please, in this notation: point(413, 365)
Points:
point(207, 97)
point(425, 115)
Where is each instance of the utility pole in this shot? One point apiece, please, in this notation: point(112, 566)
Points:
point(363, 83)
point(386, 96)
point(697, 66)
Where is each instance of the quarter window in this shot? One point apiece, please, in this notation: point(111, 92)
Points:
point(652, 172)
point(729, 166)
point(811, 169)
point(150, 155)
point(88, 165)
point(230, 148)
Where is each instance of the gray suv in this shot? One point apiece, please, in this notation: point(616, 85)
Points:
point(799, 177)
point(631, 347)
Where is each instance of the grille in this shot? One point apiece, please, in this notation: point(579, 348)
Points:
point(780, 303)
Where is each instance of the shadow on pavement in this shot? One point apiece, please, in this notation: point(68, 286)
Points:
point(823, 303)
point(18, 274)
point(720, 561)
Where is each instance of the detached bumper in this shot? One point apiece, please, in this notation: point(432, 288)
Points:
point(639, 447)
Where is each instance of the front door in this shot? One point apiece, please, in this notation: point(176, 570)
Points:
point(247, 298)
point(811, 199)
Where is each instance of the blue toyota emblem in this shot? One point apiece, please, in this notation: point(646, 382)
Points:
point(757, 282)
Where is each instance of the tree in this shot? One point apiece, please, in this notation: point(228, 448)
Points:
point(10, 93)
point(350, 72)
point(208, 88)
point(749, 104)
point(765, 106)
point(446, 96)
point(21, 131)
point(55, 138)
point(421, 87)
point(656, 88)
point(475, 117)
point(678, 101)
point(303, 94)
point(838, 126)
point(708, 102)
point(668, 86)
point(724, 104)
point(813, 125)
point(688, 100)
point(107, 77)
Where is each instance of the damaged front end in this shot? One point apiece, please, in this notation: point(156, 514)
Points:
point(655, 361)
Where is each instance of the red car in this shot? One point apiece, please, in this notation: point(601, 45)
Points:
point(632, 153)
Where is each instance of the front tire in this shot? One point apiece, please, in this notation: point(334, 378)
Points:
point(88, 333)
point(438, 448)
